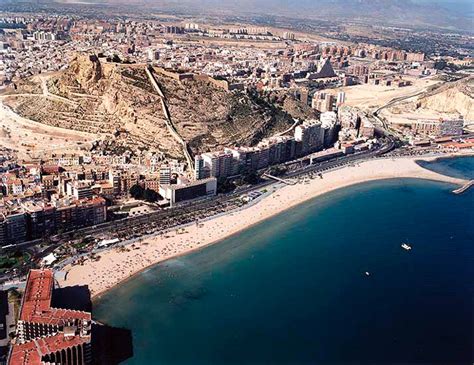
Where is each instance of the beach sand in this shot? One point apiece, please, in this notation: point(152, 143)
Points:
point(115, 266)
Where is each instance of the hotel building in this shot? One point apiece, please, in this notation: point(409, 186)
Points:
point(47, 335)
point(310, 135)
point(186, 191)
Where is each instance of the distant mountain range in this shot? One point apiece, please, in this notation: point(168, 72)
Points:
point(446, 13)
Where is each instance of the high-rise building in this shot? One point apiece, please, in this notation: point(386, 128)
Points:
point(40, 219)
point(415, 57)
point(172, 29)
point(323, 102)
point(330, 128)
point(191, 27)
point(248, 158)
point(80, 189)
point(316, 100)
point(44, 36)
point(328, 105)
point(310, 135)
point(359, 70)
point(114, 180)
point(70, 215)
point(367, 128)
point(48, 335)
point(13, 227)
point(3, 231)
point(348, 118)
point(341, 98)
point(165, 175)
point(200, 169)
point(218, 163)
point(153, 55)
point(33, 219)
point(257, 30)
point(304, 96)
point(280, 149)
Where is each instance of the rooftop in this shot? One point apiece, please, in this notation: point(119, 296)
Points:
point(36, 308)
point(31, 353)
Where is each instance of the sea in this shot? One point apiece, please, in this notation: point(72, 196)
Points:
point(326, 282)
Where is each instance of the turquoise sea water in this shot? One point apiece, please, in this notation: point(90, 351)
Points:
point(461, 167)
point(293, 289)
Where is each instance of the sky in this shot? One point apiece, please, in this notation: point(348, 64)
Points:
point(458, 4)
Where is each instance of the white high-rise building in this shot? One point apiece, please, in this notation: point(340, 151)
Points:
point(329, 125)
point(153, 55)
point(289, 36)
point(191, 27)
point(165, 175)
point(310, 135)
point(341, 98)
point(213, 164)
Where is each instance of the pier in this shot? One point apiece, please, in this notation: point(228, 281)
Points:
point(464, 188)
point(279, 180)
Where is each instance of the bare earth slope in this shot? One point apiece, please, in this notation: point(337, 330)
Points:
point(118, 102)
point(450, 100)
point(457, 98)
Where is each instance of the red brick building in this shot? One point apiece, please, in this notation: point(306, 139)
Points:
point(47, 335)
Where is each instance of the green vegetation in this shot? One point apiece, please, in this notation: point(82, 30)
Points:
point(14, 296)
point(248, 176)
point(81, 244)
point(225, 186)
point(277, 170)
point(251, 178)
point(13, 259)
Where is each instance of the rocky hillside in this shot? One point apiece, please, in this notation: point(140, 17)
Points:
point(119, 102)
point(450, 100)
point(456, 98)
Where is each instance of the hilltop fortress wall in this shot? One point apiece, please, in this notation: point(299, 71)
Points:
point(222, 84)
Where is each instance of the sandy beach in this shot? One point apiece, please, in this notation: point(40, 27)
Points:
point(115, 266)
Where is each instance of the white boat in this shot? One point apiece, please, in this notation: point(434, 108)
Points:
point(406, 246)
point(367, 273)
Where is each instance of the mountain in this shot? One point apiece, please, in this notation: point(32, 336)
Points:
point(445, 13)
point(456, 14)
point(119, 102)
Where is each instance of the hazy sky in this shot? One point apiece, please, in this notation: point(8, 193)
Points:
point(462, 3)
point(465, 5)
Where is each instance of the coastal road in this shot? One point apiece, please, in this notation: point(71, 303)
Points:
point(152, 224)
point(209, 203)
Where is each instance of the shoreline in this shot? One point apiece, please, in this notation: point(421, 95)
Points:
point(117, 266)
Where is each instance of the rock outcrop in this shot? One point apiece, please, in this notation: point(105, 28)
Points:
point(118, 100)
point(457, 98)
